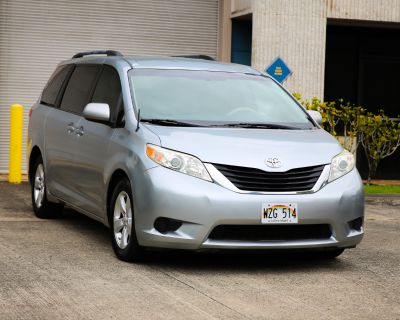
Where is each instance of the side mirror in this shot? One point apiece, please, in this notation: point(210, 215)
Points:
point(97, 112)
point(316, 116)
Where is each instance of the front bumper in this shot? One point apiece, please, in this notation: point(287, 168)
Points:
point(203, 205)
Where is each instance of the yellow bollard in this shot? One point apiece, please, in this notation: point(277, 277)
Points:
point(15, 165)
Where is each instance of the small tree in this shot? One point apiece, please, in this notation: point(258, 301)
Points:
point(380, 137)
point(350, 117)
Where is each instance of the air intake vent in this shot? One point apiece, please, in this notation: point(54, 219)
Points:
point(271, 233)
point(251, 179)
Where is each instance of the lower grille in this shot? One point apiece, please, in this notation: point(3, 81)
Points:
point(271, 233)
point(252, 179)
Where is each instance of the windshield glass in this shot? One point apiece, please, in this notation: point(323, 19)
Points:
point(214, 98)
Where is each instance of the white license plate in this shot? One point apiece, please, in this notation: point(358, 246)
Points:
point(279, 213)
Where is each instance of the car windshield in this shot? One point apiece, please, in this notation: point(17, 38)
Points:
point(210, 98)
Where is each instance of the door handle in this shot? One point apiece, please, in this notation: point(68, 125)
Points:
point(79, 132)
point(70, 127)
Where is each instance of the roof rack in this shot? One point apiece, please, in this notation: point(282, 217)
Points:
point(88, 53)
point(196, 56)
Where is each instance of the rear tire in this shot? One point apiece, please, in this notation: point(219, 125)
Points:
point(122, 224)
point(43, 208)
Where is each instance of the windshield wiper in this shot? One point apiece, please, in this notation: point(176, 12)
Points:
point(170, 122)
point(256, 125)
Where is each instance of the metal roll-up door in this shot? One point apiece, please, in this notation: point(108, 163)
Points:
point(36, 35)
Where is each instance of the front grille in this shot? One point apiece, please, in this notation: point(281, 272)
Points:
point(252, 179)
point(271, 233)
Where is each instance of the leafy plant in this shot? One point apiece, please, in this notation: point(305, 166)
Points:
point(380, 137)
point(327, 109)
point(350, 116)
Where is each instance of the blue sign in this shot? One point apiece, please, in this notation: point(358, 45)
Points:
point(279, 70)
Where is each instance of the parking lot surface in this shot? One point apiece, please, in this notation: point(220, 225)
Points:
point(66, 269)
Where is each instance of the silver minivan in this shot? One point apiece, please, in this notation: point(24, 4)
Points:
point(189, 153)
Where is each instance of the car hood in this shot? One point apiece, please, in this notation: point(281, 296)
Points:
point(251, 147)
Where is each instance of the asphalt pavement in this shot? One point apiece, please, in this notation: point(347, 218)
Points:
point(65, 269)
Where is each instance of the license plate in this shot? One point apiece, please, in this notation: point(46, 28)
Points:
point(279, 213)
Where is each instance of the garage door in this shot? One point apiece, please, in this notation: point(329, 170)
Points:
point(36, 35)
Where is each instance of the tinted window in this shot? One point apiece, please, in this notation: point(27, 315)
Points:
point(108, 90)
point(79, 87)
point(50, 92)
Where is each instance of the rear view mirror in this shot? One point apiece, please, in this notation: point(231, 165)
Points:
point(97, 112)
point(317, 117)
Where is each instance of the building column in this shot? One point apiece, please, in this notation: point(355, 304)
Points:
point(295, 31)
point(224, 30)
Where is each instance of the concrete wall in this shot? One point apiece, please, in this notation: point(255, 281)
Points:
point(296, 31)
point(240, 7)
point(369, 10)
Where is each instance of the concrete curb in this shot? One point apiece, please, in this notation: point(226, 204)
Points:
point(382, 195)
point(388, 199)
point(4, 177)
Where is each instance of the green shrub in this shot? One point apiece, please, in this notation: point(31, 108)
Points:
point(380, 137)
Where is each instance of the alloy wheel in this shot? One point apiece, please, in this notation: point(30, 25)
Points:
point(39, 186)
point(122, 220)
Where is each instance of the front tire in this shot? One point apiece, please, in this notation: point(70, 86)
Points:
point(122, 224)
point(43, 208)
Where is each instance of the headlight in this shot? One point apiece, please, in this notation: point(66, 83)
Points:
point(341, 164)
point(178, 161)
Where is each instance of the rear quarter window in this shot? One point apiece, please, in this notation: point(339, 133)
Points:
point(54, 85)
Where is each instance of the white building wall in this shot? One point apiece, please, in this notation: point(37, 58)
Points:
point(370, 10)
point(296, 31)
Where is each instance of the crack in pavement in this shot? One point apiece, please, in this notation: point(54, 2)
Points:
point(199, 291)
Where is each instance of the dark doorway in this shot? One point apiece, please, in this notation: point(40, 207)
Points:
point(241, 40)
point(363, 66)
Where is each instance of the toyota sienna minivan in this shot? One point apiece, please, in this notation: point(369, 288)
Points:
point(189, 153)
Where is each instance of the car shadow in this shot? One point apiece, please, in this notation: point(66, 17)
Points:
point(211, 260)
point(242, 261)
point(87, 227)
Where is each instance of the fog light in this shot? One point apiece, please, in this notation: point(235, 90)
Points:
point(356, 224)
point(165, 225)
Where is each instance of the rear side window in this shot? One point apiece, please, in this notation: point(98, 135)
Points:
point(108, 90)
point(54, 85)
point(78, 90)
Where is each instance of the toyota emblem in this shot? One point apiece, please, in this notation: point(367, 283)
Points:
point(273, 162)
